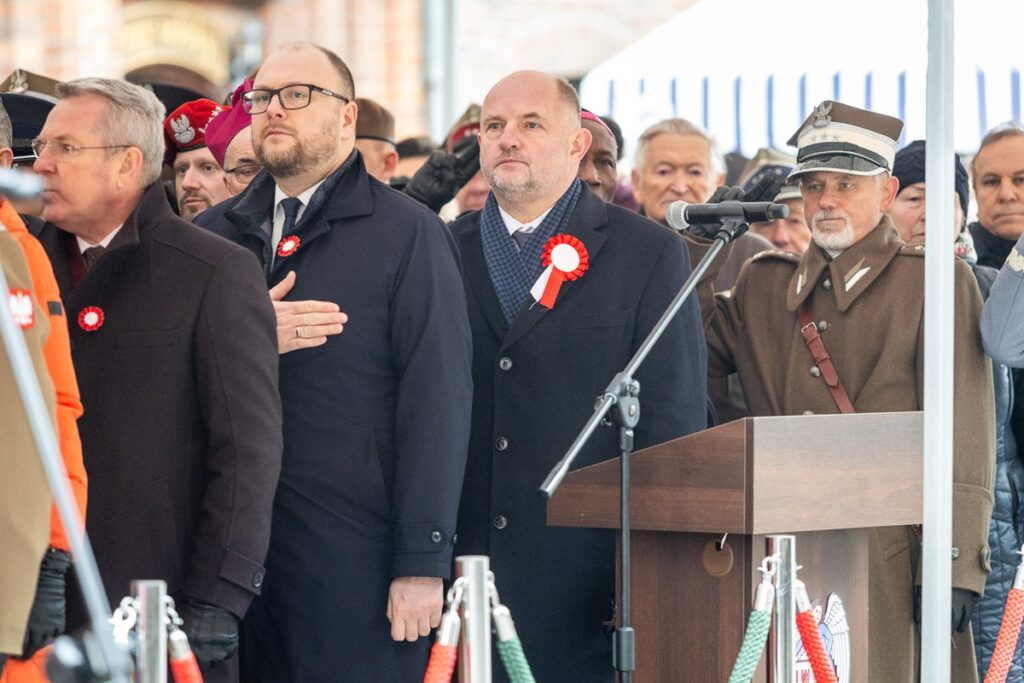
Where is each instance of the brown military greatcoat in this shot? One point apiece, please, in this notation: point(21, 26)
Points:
point(24, 495)
point(869, 303)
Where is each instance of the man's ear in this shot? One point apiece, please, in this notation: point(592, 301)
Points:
point(890, 188)
point(390, 164)
point(6, 157)
point(579, 144)
point(129, 173)
point(634, 178)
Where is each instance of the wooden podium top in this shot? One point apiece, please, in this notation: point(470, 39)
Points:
point(761, 475)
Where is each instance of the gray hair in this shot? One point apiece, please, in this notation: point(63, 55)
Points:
point(6, 129)
point(716, 162)
point(134, 117)
point(1008, 129)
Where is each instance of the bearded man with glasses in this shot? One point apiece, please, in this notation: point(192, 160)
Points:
point(172, 337)
point(376, 419)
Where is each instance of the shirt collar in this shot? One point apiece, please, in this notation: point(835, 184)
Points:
point(303, 197)
point(513, 226)
point(105, 242)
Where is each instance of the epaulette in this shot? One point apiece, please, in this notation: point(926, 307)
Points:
point(778, 254)
point(915, 250)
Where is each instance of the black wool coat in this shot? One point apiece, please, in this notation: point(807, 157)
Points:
point(376, 423)
point(535, 383)
point(181, 433)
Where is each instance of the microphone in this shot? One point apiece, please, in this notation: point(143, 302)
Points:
point(681, 215)
point(20, 184)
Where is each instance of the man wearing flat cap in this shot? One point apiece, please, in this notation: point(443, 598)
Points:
point(375, 139)
point(198, 178)
point(858, 292)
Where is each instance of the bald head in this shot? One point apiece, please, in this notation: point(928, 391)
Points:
point(531, 141)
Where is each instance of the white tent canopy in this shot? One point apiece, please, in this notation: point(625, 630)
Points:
point(750, 71)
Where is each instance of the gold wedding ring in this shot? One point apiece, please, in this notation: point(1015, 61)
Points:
point(297, 334)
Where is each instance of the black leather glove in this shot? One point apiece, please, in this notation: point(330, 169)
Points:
point(962, 603)
point(212, 632)
point(722, 194)
point(46, 620)
point(439, 179)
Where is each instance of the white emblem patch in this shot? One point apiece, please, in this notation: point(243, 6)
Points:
point(1015, 261)
point(184, 133)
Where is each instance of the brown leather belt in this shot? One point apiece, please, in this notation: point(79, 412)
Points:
point(809, 331)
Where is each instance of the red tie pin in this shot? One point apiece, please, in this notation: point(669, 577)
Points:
point(21, 308)
point(564, 258)
point(90, 318)
point(288, 245)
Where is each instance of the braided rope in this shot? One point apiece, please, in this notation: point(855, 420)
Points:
point(752, 647)
point(1006, 643)
point(514, 659)
point(821, 665)
point(442, 663)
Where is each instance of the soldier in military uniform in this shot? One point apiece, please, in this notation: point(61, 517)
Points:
point(858, 292)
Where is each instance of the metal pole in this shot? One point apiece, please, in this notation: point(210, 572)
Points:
point(938, 344)
point(151, 665)
point(475, 642)
point(784, 617)
point(116, 661)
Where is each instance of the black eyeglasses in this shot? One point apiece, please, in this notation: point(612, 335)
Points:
point(66, 150)
point(294, 96)
point(244, 173)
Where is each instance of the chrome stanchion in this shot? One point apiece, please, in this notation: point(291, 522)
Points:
point(475, 610)
point(150, 599)
point(784, 620)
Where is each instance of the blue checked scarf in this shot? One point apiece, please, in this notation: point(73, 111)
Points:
point(514, 271)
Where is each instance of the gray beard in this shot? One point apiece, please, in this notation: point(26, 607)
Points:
point(834, 241)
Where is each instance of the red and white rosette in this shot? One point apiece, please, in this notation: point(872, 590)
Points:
point(288, 245)
point(22, 309)
point(90, 318)
point(564, 258)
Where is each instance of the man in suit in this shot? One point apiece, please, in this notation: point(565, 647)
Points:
point(537, 366)
point(376, 419)
point(173, 342)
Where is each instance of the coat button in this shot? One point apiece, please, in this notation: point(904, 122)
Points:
point(822, 326)
point(827, 283)
point(815, 371)
point(956, 553)
point(435, 537)
point(257, 579)
point(505, 363)
point(808, 412)
point(501, 443)
point(500, 522)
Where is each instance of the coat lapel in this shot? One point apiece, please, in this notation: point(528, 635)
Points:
point(475, 266)
point(589, 216)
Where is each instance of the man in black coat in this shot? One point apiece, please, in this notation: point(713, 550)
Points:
point(376, 419)
point(538, 365)
point(173, 343)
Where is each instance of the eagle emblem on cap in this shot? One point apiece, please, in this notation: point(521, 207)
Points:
point(184, 133)
point(821, 115)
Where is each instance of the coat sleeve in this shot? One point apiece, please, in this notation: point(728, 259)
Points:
point(235, 347)
point(973, 439)
point(432, 348)
point(1002, 318)
point(673, 378)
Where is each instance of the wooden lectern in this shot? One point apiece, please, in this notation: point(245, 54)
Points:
point(824, 478)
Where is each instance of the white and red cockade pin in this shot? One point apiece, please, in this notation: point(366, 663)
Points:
point(564, 258)
point(90, 318)
point(21, 308)
point(288, 245)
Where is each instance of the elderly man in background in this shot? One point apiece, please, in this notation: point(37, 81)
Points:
point(792, 232)
point(173, 338)
point(229, 137)
point(375, 139)
point(677, 160)
point(858, 292)
point(997, 171)
point(198, 178)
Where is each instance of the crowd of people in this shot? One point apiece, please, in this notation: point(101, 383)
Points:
point(297, 365)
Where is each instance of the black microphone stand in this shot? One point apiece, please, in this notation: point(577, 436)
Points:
point(623, 394)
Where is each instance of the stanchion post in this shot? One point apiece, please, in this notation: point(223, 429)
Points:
point(475, 643)
point(784, 619)
point(151, 664)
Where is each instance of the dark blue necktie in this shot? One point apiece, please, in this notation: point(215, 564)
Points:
point(291, 211)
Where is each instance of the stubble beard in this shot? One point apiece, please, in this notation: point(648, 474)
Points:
point(303, 155)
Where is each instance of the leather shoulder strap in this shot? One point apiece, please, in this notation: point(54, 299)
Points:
point(809, 331)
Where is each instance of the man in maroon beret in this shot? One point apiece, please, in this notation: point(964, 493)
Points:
point(198, 178)
point(229, 137)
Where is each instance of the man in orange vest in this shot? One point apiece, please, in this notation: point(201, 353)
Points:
point(46, 620)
